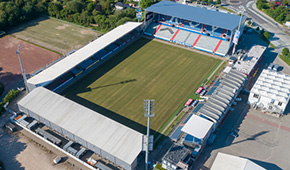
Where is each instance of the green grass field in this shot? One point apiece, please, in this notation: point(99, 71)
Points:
point(145, 70)
point(54, 34)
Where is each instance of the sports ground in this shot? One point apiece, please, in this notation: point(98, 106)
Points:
point(56, 35)
point(147, 69)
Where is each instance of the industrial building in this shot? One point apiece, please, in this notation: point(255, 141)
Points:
point(271, 92)
point(177, 157)
point(107, 138)
point(203, 29)
point(248, 63)
point(229, 162)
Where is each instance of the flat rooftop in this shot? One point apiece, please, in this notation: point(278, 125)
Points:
point(98, 130)
point(248, 62)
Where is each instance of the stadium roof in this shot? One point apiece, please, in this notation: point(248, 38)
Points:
point(82, 54)
point(196, 14)
point(109, 135)
point(197, 127)
point(220, 100)
point(230, 162)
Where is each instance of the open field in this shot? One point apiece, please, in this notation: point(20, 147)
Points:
point(53, 34)
point(145, 70)
point(33, 58)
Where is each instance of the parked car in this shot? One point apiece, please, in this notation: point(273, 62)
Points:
point(270, 66)
point(275, 68)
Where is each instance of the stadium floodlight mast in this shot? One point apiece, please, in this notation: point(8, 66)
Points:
point(23, 72)
point(149, 112)
point(242, 13)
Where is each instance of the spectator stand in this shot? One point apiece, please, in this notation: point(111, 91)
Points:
point(199, 28)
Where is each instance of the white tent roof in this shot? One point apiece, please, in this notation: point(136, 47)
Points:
point(109, 135)
point(197, 127)
point(230, 162)
point(274, 85)
point(82, 54)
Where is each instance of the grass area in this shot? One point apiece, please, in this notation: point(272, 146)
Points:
point(224, 8)
point(285, 59)
point(146, 69)
point(213, 76)
point(54, 34)
point(272, 45)
point(174, 123)
point(158, 167)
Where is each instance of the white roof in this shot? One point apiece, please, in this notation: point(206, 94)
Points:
point(250, 60)
point(230, 162)
point(197, 127)
point(109, 135)
point(82, 54)
point(274, 85)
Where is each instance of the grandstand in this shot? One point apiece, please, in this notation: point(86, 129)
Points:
point(195, 27)
point(73, 67)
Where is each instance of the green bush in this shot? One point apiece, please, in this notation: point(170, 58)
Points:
point(267, 35)
point(10, 96)
point(285, 51)
point(249, 22)
point(262, 32)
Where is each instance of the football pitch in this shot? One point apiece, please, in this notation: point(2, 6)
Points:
point(146, 69)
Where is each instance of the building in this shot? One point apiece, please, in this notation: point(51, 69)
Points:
point(198, 131)
point(248, 63)
point(271, 92)
point(109, 139)
point(177, 157)
point(75, 66)
point(203, 29)
point(121, 6)
point(229, 162)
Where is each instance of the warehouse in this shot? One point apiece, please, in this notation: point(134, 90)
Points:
point(271, 92)
point(107, 138)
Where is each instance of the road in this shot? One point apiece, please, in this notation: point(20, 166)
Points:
point(279, 34)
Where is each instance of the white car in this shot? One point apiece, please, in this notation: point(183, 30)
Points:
point(270, 66)
point(275, 68)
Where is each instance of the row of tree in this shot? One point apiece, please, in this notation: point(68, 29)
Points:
point(16, 11)
point(279, 13)
point(100, 15)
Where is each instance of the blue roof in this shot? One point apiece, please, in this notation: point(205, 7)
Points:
point(196, 14)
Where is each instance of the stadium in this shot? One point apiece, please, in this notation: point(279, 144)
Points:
point(95, 95)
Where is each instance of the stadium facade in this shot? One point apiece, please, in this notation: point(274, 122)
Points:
point(203, 29)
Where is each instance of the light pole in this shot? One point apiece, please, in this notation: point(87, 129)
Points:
point(149, 112)
point(242, 12)
point(23, 72)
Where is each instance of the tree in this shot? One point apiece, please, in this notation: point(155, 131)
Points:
point(267, 35)
point(285, 51)
point(146, 3)
point(257, 29)
point(249, 22)
point(210, 1)
point(218, 2)
point(75, 6)
point(262, 32)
